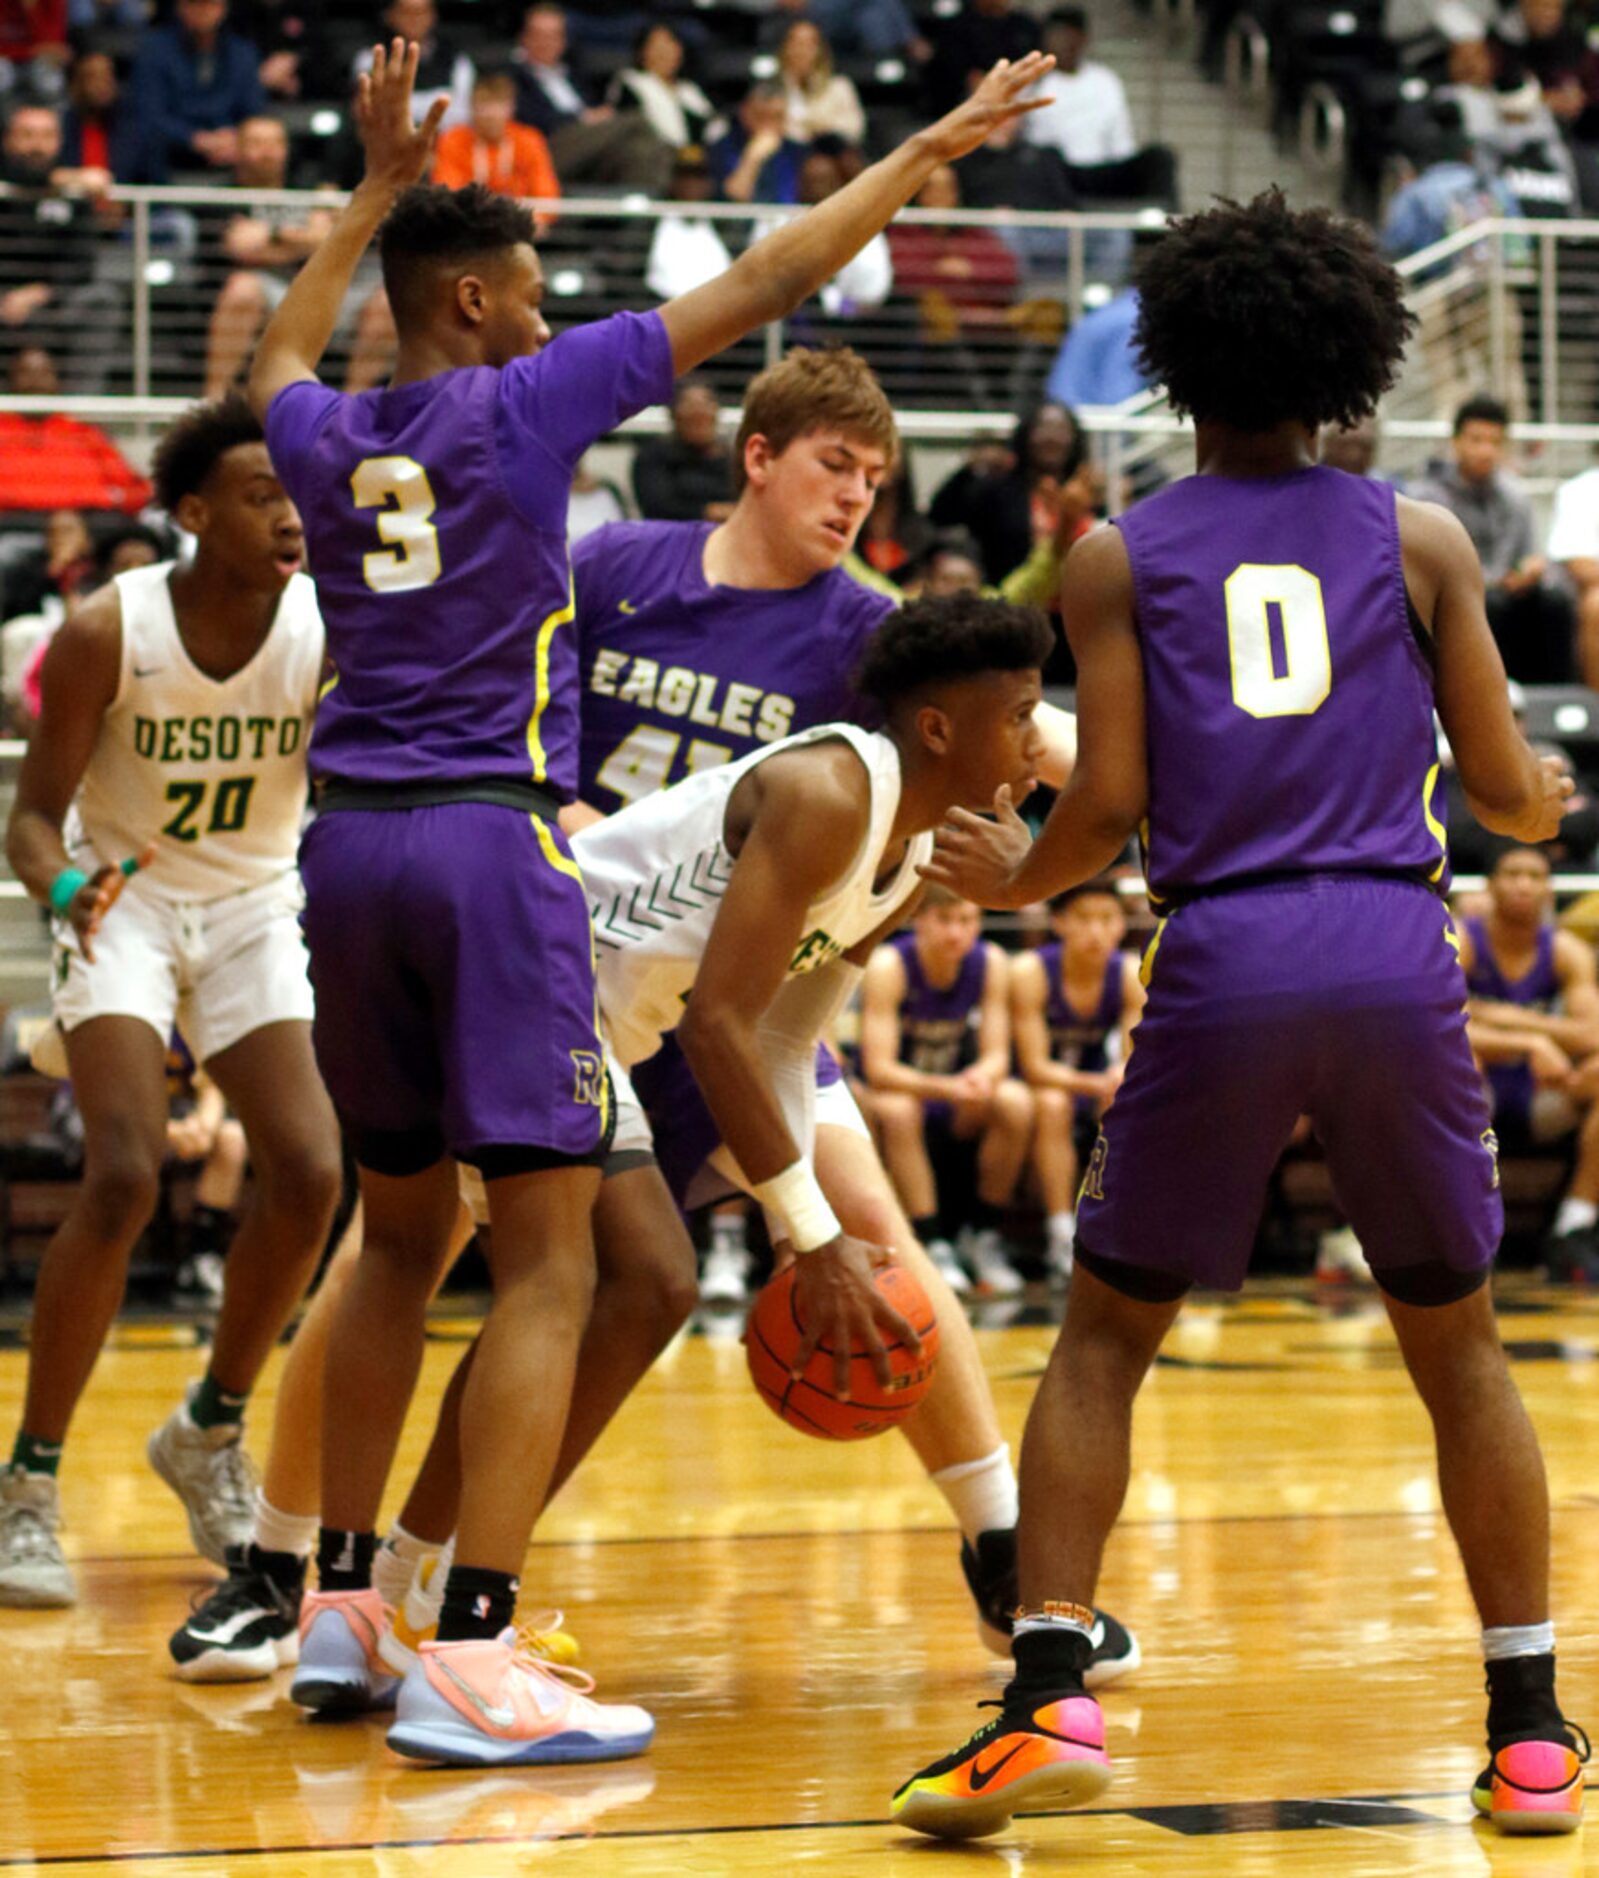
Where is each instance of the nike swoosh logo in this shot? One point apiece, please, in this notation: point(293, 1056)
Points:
point(626, 606)
point(980, 1775)
point(225, 1633)
point(495, 1715)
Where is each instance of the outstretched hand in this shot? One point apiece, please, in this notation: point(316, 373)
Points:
point(994, 102)
point(397, 151)
point(978, 858)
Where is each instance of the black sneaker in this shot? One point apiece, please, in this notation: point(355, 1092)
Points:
point(245, 1629)
point(1572, 1258)
point(990, 1568)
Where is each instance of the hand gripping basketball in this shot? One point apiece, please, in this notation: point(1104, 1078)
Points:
point(840, 1306)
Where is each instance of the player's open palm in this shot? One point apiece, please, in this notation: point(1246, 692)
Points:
point(998, 99)
point(978, 857)
point(837, 1304)
point(397, 151)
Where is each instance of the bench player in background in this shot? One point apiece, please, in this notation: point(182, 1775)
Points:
point(177, 711)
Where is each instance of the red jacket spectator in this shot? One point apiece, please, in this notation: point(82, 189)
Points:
point(58, 463)
point(29, 27)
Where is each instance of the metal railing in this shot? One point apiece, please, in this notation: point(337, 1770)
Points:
point(1246, 86)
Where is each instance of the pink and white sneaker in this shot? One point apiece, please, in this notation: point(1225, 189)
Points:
point(495, 1702)
point(340, 1671)
point(1534, 1786)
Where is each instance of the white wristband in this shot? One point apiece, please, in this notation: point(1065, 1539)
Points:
point(797, 1196)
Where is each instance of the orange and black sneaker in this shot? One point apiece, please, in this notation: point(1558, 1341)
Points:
point(1534, 1786)
point(1029, 1759)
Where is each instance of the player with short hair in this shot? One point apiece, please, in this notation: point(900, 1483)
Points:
point(936, 1054)
point(1260, 651)
point(177, 707)
point(443, 752)
point(1533, 1021)
point(1074, 1005)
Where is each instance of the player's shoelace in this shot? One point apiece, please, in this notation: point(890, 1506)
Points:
point(240, 1591)
point(233, 1480)
point(1584, 1754)
point(26, 1535)
point(533, 1640)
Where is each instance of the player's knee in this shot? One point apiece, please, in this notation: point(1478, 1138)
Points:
point(657, 1284)
point(1013, 1105)
point(301, 1178)
point(120, 1188)
point(1053, 1108)
point(899, 1115)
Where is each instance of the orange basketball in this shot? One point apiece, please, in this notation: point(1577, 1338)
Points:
point(807, 1402)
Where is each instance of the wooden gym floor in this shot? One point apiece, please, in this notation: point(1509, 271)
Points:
point(1309, 1702)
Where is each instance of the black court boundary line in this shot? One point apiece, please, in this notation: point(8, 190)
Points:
point(642, 1833)
point(1588, 1505)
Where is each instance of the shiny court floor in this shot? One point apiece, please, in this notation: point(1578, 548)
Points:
point(793, 1612)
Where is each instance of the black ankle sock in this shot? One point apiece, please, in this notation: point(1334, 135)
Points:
point(986, 1217)
point(477, 1603)
point(344, 1559)
point(285, 1569)
point(926, 1229)
point(1521, 1701)
point(209, 1230)
point(1048, 1663)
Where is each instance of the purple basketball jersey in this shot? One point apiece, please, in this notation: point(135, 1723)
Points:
point(1077, 1040)
point(1538, 990)
point(1289, 706)
point(938, 1024)
point(435, 517)
point(678, 675)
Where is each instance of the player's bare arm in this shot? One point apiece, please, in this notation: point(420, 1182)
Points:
point(789, 265)
point(882, 995)
point(794, 825)
point(1508, 788)
point(397, 154)
point(1029, 997)
point(78, 683)
point(992, 861)
point(1575, 1026)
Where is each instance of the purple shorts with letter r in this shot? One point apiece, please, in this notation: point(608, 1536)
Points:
point(1338, 996)
point(454, 979)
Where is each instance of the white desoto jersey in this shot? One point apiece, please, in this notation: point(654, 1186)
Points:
point(212, 770)
point(656, 872)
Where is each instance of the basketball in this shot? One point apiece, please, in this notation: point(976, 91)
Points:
point(808, 1402)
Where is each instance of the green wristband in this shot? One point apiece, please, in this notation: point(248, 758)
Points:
point(64, 888)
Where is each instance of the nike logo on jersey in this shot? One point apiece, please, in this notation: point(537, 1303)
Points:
point(980, 1775)
point(626, 606)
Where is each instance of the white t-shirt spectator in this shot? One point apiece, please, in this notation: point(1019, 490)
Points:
point(1087, 120)
point(1574, 530)
point(685, 252)
point(860, 284)
point(833, 110)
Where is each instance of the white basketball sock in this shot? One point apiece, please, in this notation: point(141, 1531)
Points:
point(981, 1494)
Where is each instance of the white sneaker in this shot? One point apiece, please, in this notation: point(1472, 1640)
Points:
point(1059, 1259)
point(34, 1574)
point(946, 1263)
point(995, 1273)
point(726, 1278)
point(209, 1471)
point(1340, 1260)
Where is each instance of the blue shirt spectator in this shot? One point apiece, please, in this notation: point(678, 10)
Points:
point(755, 161)
point(1096, 363)
point(193, 83)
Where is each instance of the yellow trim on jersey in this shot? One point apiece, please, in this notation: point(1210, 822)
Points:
point(1147, 968)
point(563, 616)
point(1435, 828)
point(564, 864)
point(328, 685)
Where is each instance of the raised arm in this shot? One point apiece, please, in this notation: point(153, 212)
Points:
point(397, 154)
point(1508, 788)
point(780, 272)
point(78, 682)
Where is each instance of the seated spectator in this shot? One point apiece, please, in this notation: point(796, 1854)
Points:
point(935, 1051)
point(1351, 448)
point(445, 71)
point(861, 284)
point(1508, 127)
point(59, 462)
point(686, 476)
point(34, 54)
point(589, 142)
point(818, 102)
point(596, 501)
point(1574, 545)
point(1538, 40)
point(508, 158)
point(193, 83)
point(264, 248)
point(755, 160)
point(1531, 619)
point(1533, 1022)
point(1007, 172)
point(1098, 362)
point(1074, 1005)
point(94, 128)
point(964, 48)
point(51, 581)
point(118, 22)
point(951, 563)
point(292, 48)
point(894, 535)
point(877, 29)
point(686, 250)
point(673, 106)
point(1087, 121)
point(1008, 498)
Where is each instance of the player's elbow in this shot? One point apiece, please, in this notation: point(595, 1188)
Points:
point(707, 1033)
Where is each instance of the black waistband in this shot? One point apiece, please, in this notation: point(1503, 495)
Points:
point(1169, 902)
point(500, 792)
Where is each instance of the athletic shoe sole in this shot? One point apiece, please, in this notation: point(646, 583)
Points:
point(327, 1692)
point(60, 1596)
point(1045, 1790)
point(466, 1747)
point(224, 1665)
